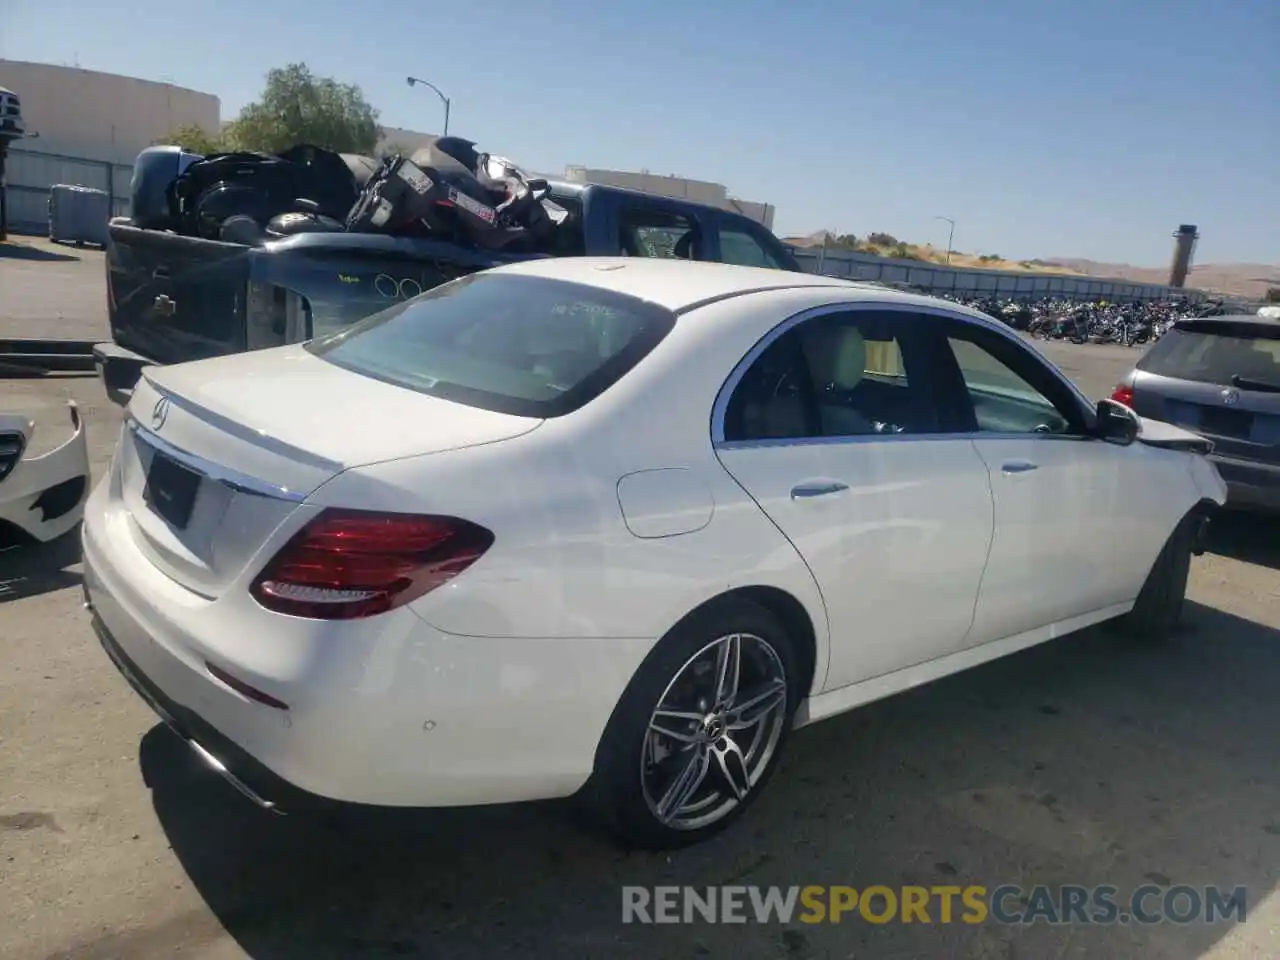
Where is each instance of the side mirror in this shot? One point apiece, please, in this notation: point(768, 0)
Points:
point(1116, 423)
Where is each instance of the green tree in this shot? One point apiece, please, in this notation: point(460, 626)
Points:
point(296, 107)
point(195, 139)
point(1273, 294)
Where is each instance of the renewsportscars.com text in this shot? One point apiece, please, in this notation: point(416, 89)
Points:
point(972, 904)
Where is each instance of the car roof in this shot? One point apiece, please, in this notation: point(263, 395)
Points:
point(681, 285)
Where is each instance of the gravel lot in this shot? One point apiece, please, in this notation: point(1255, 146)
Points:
point(1089, 760)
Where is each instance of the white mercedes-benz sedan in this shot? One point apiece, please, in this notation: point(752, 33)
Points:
point(614, 528)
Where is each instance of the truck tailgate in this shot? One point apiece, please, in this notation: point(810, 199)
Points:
point(173, 298)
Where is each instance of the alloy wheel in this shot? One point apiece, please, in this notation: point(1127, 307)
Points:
point(714, 731)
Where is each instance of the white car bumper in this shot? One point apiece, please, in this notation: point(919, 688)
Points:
point(42, 497)
point(401, 715)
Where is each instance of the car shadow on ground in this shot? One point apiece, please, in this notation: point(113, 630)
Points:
point(1248, 537)
point(31, 570)
point(1090, 760)
point(24, 251)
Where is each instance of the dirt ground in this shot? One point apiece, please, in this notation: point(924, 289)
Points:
point(1088, 760)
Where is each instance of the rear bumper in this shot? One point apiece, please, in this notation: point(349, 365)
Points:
point(249, 778)
point(1250, 485)
point(394, 713)
point(43, 498)
point(119, 370)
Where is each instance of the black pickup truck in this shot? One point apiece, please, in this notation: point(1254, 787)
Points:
point(174, 298)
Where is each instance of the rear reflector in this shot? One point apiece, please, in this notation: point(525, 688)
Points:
point(244, 689)
point(348, 564)
point(1123, 394)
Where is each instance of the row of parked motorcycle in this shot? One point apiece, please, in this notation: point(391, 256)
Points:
point(1129, 324)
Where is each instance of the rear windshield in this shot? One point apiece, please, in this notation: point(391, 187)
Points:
point(1217, 353)
point(523, 345)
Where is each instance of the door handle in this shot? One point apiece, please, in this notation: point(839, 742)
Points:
point(803, 491)
point(1018, 466)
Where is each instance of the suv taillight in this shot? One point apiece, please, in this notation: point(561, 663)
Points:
point(347, 564)
point(1123, 394)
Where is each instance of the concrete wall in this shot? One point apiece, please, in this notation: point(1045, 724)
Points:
point(101, 116)
point(999, 283)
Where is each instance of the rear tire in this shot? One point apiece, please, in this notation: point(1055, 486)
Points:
point(1158, 610)
point(635, 790)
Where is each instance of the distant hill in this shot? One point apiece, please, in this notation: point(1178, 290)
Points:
point(884, 245)
point(1248, 280)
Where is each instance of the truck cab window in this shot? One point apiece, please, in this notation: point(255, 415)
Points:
point(658, 233)
point(740, 247)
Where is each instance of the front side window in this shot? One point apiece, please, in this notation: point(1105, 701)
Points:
point(524, 345)
point(837, 375)
point(1006, 391)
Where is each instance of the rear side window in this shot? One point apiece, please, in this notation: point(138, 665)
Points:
point(648, 232)
point(1217, 352)
point(523, 345)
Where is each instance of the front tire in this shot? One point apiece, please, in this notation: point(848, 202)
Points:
point(698, 732)
point(1158, 609)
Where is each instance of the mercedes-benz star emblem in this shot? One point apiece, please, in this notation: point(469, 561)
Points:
point(159, 413)
point(1230, 397)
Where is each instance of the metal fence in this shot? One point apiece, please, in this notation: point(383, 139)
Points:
point(30, 174)
point(964, 281)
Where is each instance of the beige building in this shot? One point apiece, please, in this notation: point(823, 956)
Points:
point(101, 116)
point(85, 127)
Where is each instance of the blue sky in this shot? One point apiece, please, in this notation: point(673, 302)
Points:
point(1087, 129)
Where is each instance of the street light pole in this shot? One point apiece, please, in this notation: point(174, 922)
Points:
point(950, 236)
point(443, 99)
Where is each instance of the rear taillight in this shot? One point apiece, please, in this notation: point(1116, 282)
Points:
point(347, 564)
point(1123, 394)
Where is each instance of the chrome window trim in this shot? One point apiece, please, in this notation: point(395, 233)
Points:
point(892, 438)
point(859, 306)
point(240, 482)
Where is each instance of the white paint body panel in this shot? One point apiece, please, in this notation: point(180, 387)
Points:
point(611, 524)
point(898, 555)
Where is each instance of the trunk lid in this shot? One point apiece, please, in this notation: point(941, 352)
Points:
point(172, 298)
point(217, 455)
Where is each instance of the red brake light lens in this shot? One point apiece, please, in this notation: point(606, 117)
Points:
point(348, 564)
point(1123, 394)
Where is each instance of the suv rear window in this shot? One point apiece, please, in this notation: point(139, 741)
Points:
point(1217, 352)
point(523, 345)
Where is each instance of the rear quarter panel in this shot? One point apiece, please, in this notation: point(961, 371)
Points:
point(565, 563)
